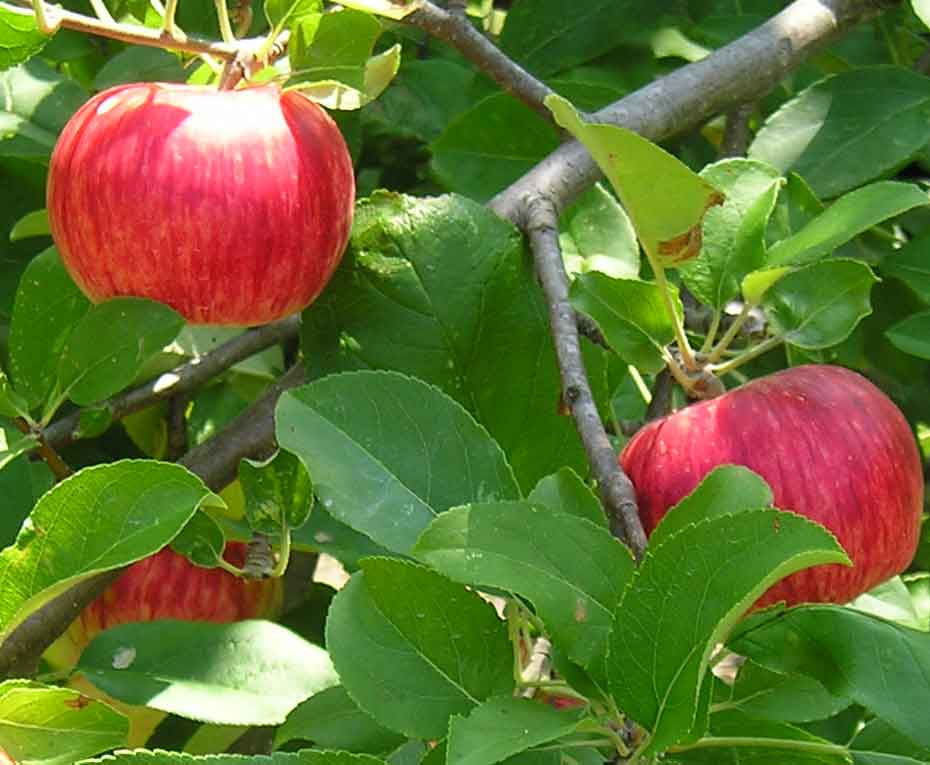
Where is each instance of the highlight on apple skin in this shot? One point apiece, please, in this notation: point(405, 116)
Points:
point(168, 586)
point(232, 207)
point(833, 448)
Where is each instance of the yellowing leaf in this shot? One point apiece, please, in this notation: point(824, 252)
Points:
point(666, 200)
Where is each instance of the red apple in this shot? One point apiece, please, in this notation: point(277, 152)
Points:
point(168, 586)
point(233, 207)
point(831, 445)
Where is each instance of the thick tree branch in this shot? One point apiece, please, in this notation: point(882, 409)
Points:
point(739, 72)
point(182, 380)
point(617, 493)
point(249, 435)
point(456, 30)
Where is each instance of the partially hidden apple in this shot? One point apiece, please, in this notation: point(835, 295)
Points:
point(233, 207)
point(164, 586)
point(832, 447)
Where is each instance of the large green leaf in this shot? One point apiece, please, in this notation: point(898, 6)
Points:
point(572, 570)
point(101, 518)
point(696, 585)
point(36, 105)
point(912, 335)
point(441, 289)
point(596, 235)
point(47, 308)
point(547, 37)
point(504, 726)
point(849, 216)
point(820, 305)
point(20, 38)
point(246, 673)
point(55, 726)
point(665, 199)
point(488, 147)
point(880, 665)
point(734, 232)
point(630, 313)
point(388, 453)
point(413, 648)
point(849, 128)
point(911, 264)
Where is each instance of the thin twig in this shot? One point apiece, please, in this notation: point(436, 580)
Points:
point(458, 31)
point(736, 133)
point(60, 469)
point(181, 380)
point(616, 490)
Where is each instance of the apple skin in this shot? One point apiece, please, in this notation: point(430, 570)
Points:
point(832, 447)
point(168, 586)
point(233, 207)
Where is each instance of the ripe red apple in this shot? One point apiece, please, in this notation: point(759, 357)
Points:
point(233, 207)
point(831, 445)
point(168, 586)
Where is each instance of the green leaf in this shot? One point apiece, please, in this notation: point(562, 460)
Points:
point(22, 482)
point(110, 344)
point(277, 490)
point(726, 490)
point(201, 540)
point(441, 289)
point(55, 726)
point(851, 215)
point(30, 225)
point(488, 147)
point(912, 335)
point(878, 737)
point(413, 649)
point(37, 103)
point(849, 129)
point(245, 673)
point(698, 584)
point(20, 38)
point(597, 235)
point(911, 264)
point(101, 518)
point(565, 492)
point(852, 655)
point(332, 63)
point(13, 443)
point(820, 305)
point(331, 720)
point(666, 201)
point(390, 9)
point(48, 306)
point(767, 695)
point(543, 37)
point(572, 570)
point(504, 726)
point(388, 453)
point(140, 64)
point(734, 232)
point(282, 13)
point(630, 313)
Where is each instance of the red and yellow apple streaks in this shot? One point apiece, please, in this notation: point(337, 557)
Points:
point(833, 448)
point(168, 586)
point(233, 207)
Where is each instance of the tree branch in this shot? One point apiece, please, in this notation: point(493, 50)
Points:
point(456, 30)
point(617, 493)
point(739, 72)
point(251, 434)
point(182, 380)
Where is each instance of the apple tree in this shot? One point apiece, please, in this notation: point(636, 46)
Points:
point(467, 382)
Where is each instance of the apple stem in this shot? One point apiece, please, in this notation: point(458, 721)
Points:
point(764, 347)
point(712, 331)
point(681, 338)
point(681, 377)
point(718, 350)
